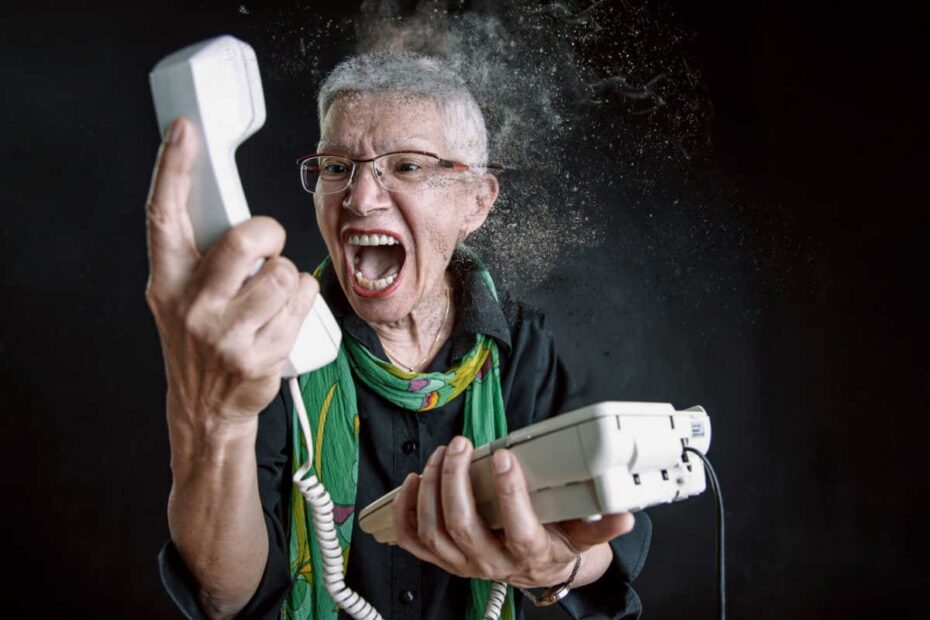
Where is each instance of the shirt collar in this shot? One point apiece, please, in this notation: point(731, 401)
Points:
point(478, 311)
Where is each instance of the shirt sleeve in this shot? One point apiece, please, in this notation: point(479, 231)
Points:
point(612, 596)
point(273, 464)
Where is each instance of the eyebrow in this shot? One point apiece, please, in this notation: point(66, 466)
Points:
point(415, 143)
point(327, 144)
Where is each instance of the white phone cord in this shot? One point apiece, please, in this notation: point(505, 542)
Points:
point(495, 600)
point(321, 505)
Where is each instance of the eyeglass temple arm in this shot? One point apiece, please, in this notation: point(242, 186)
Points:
point(455, 165)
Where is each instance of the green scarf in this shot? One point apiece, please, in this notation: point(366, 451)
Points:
point(329, 396)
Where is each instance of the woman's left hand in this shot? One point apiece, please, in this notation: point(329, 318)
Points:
point(436, 520)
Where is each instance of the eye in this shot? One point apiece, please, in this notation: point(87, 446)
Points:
point(407, 167)
point(334, 168)
point(410, 165)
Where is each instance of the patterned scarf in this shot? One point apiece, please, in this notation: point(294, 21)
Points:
point(329, 396)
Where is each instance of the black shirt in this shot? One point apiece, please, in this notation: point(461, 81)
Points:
point(395, 442)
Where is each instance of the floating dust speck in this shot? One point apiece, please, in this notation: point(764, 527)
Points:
point(295, 38)
point(541, 216)
point(602, 119)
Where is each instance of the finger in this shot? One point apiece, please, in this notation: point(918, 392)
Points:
point(232, 259)
point(265, 294)
point(275, 339)
point(172, 251)
point(404, 508)
point(525, 535)
point(469, 531)
point(431, 528)
point(584, 534)
point(405, 523)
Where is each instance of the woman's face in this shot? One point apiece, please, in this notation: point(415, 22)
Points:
point(416, 230)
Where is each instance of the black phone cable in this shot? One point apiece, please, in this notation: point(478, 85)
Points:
point(721, 564)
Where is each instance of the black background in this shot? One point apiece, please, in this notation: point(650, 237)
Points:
point(810, 363)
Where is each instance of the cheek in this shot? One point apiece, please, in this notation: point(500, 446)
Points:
point(441, 240)
point(441, 228)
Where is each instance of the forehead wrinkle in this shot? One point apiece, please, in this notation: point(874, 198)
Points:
point(380, 121)
point(413, 143)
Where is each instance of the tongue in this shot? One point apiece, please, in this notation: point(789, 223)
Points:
point(379, 261)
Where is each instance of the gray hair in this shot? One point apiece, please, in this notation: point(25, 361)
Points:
point(423, 76)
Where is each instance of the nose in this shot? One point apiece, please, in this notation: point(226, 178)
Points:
point(365, 193)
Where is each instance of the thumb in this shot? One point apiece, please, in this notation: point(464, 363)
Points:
point(584, 534)
point(172, 252)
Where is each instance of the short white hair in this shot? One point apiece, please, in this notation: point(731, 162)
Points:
point(408, 73)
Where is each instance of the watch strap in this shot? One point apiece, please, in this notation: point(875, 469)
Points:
point(555, 593)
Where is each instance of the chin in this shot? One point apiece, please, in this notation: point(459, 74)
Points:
point(379, 311)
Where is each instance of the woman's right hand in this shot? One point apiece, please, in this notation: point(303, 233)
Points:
point(225, 336)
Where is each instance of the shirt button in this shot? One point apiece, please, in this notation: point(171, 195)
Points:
point(406, 597)
point(409, 446)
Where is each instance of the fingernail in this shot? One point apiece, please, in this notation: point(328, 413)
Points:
point(458, 445)
point(437, 456)
point(175, 132)
point(501, 462)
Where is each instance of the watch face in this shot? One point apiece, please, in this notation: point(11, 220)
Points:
point(542, 597)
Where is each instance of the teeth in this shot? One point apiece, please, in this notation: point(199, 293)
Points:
point(375, 285)
point(372, 240)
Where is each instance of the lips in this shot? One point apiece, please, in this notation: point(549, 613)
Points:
point(375, 260)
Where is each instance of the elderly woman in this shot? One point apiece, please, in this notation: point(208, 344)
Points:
point(399, 181)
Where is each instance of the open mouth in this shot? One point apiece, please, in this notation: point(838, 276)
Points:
point(375, 259)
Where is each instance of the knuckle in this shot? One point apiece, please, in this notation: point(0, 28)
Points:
point(310, 285)
point(156, 216)
point(486, 569)
point(431, 541)
point(153, 297)
point(158, 297)
point(521, 547)
point(195, 320)
point(240, 242)
point(306, 295)
point(462, 533)
point(271, 226)
point(192, 323)
point(284, 274)
point(239, 362)
point(533, 573)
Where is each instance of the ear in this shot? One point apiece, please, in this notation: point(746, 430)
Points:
point(485, 193)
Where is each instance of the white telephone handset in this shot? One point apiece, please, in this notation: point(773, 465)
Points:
point(216, 85)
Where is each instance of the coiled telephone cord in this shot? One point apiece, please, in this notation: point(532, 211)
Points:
point(324, 525)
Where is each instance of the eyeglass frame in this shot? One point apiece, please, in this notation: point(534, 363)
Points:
point(456, 166)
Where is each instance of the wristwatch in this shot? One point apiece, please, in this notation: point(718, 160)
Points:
point(556, 593)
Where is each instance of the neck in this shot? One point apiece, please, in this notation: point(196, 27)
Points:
point(414, 340)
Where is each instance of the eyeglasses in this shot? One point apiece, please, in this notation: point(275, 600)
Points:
point(400, 171)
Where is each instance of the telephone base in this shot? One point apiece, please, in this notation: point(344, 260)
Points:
point(602, 459)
